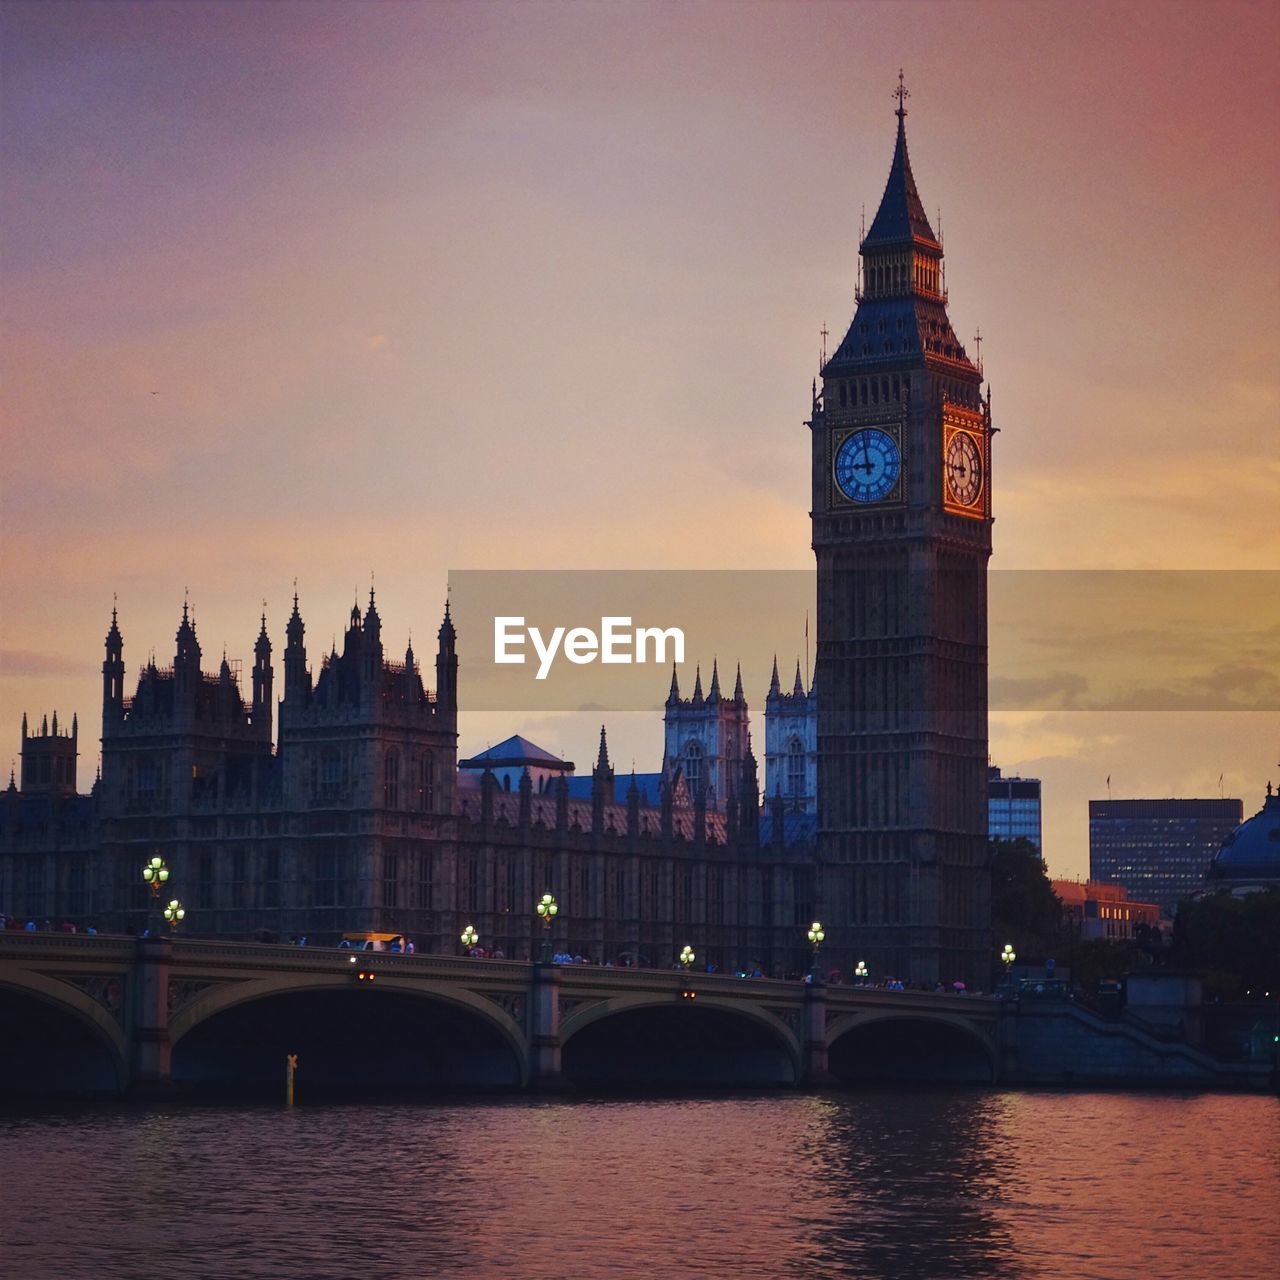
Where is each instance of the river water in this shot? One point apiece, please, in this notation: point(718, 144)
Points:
point(941, 1183)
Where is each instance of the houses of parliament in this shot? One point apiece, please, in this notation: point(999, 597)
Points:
point(343, 806)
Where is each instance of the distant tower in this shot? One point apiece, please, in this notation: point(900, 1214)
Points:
point(791, 744)
point(186, 659)
point(297, 684)
point(901, 449)
point(707, 738)
point(49, 759)
point(447, 669)
point(371, 664)
point(113, 674)
point(262, 682)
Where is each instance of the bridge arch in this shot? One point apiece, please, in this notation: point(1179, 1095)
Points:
point(400, 1034)
point(58, 1038)
point(664, 1039)
point(909, 1046)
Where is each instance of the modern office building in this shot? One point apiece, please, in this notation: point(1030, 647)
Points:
point(1158, 849)
point(1013, 808)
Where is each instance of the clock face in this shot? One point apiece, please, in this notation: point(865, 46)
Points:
point(867, 465)
point(964, 469)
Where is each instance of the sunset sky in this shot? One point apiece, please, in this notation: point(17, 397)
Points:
point(309, 291)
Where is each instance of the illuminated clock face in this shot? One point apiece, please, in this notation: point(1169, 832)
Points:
point(964, 469)
point(867, 465)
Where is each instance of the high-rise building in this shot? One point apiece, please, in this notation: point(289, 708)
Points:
point(901, 447)
point(1158, 849)
point(1013, 808)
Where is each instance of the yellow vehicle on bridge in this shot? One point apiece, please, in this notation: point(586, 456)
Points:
point(374, 941)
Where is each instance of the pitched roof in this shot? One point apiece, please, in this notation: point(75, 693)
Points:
point(513, 752)
point(901, 215)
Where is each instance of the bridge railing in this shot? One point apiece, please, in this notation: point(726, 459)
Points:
point(19, 943)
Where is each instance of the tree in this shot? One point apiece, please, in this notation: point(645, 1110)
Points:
point(1025, 911)
point(1233, 942)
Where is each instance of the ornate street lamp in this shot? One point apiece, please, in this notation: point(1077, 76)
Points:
point(1007, 957)
point(174, 912)
point(546, 910)
point(687, 957)
point(861, 971)
point(155, 873)
point(816, 936)
point(469, 938)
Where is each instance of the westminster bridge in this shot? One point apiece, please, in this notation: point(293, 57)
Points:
point(115, 1015)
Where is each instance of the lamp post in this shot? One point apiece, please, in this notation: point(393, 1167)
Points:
point(1007, 957)
point(861, 972)
point(546, 910)
point(469, 937)
point(816, 936)
point(174, 912)
point(687, 958)
point(155, 873)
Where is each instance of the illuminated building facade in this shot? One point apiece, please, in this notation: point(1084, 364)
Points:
point(1159, 850)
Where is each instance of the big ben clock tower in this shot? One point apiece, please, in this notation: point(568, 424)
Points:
point(902, 534)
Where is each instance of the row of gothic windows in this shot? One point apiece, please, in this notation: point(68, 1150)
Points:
point(885, 276)
point(865, 391)
point(423, 779)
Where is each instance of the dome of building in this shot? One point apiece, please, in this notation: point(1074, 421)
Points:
point(1252, 851)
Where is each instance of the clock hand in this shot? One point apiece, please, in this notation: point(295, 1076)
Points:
point(866, 455)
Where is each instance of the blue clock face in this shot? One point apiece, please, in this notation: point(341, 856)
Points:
point(868, 465)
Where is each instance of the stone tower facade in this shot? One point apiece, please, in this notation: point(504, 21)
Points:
point(49, 759)
point(791, 744)
point(707, 738)
point(186, 737)
point(901, 447)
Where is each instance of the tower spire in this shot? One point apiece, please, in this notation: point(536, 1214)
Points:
point(901, 216)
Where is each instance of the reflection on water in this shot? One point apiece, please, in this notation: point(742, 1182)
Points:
point(962, 1183)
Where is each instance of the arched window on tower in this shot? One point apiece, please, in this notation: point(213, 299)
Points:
point(693, 772)
point(795, 767)
point(391, 781)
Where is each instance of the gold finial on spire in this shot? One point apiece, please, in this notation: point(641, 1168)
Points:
point(902, 93)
